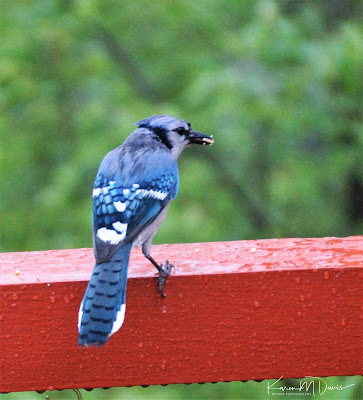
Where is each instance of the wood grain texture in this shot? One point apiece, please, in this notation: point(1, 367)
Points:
point(234, 311)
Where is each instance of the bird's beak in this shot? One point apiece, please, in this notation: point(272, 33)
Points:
point(196, 137)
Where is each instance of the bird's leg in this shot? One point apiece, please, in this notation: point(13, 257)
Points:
point(163, 273)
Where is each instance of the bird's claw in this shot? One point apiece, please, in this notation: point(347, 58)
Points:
point(163, 274)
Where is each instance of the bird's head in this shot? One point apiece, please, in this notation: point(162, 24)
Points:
point(174, 133)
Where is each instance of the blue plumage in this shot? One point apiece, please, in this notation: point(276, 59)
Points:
point(133, 188)
point(103, 306)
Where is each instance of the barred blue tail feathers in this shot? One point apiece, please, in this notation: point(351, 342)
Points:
point(102, 310)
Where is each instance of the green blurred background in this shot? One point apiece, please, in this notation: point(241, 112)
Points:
point(278, 84)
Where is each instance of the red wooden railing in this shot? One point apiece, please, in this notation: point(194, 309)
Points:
point(234, 311)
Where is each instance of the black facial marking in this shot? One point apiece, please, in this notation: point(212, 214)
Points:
point(161, 135)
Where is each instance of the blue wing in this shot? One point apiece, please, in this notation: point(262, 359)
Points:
point(122, 209)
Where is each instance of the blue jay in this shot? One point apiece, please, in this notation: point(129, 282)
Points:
point(133, 188)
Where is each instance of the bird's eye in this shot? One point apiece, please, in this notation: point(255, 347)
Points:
point(180, 130)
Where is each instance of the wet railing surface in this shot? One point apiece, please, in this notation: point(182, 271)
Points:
point(234, 311)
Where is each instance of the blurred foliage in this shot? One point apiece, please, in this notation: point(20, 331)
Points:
point(222, 391)
point(277, 83)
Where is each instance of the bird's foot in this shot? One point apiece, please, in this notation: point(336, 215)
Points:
point(163, 274)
